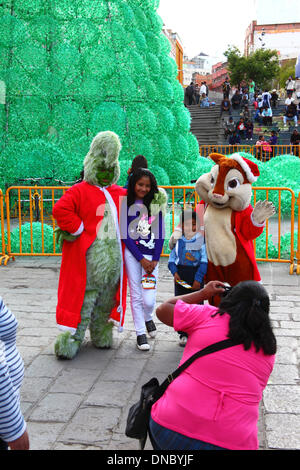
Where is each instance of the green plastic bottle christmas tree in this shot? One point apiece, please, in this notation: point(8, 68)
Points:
point(72, 68)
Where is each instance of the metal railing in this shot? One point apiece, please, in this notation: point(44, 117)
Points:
point(256, 151)
point(34, 204)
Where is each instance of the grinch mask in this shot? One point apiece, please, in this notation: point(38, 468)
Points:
point(105, 176)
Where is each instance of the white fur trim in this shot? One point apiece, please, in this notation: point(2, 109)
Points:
point(255, 223)
point(115, 216)
point(250, 176)
point(79, 231)
point(67, 328)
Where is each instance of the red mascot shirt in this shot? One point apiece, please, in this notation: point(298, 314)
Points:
point(245, 232)
point(81, 204)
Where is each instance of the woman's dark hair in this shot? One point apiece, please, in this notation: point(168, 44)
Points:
point(248, 305)
point(138, 162)
point(137, 175)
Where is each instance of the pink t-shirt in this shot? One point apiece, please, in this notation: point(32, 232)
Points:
point(216, 398)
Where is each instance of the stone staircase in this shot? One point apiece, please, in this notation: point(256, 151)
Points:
point(206, 124)
point(260, 129)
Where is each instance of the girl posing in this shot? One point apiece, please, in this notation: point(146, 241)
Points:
point(142, 231)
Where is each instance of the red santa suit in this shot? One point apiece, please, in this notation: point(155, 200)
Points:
point(244, 266)
point(80, 211)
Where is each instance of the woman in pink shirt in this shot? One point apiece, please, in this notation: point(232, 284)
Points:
point(214, 403)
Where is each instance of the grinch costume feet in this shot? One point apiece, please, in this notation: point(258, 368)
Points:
point(66, 346)
point(102, 338)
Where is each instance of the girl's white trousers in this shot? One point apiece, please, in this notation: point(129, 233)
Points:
point(142, 301)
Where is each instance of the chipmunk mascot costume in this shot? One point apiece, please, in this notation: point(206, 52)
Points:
point(230, 222)
point(92, 283)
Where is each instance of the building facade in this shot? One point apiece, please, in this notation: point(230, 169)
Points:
point(176, 51)
point(283, 37)
point(218, 76)
point(200, 64)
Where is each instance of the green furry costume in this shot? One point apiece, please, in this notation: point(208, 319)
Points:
point(97, 241)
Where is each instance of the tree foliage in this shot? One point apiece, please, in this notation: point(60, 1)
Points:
point(262, 66)
point(287, 69)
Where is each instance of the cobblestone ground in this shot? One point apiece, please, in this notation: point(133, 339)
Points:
point(83, 403)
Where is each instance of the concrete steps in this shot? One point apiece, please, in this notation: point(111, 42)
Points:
point(260, 129)
point(205, 124)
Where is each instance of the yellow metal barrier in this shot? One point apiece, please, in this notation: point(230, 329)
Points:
point(298, 238)
point(35, 203)
point(3, 256)
point(287, 220)
point(182, 195)
point(258, 152)
point(32, 204)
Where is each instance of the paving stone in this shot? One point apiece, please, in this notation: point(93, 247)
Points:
point(44, 366)
point(109, 394)
point(83, 404)
point(91, 425)
point(43, 435)
point(73, 380)
point(33, 388)
point(56, 407)
point(283, 431)
point(282, 399)
point(284, 374)
point(122, 369)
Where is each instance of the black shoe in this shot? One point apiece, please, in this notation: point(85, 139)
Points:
point(142, 343)
point(151, 328)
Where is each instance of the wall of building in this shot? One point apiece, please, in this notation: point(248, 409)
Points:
point(179, 61)
point(176, 51)
point(286, 43)
point(218, 76)
point(284, 37)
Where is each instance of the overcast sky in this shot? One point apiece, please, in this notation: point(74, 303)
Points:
point(208, 26)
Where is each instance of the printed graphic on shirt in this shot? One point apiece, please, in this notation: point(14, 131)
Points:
point(150, 244)
point(144, 226)
point(189, 256)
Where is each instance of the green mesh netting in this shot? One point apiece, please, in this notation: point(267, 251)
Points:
point(32, 238)
point(72, 68)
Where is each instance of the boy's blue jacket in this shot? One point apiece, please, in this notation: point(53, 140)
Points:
point(189, 253)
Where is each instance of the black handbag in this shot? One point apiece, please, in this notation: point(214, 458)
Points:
point(139, 414)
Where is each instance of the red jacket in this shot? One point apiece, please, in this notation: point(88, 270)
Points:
point(79, 204)
point(245, 232)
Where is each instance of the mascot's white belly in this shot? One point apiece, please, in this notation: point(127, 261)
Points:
point(220, 241)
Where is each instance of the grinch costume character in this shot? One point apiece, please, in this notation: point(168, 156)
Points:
point(92, 283)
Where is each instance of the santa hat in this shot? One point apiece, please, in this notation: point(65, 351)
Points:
point(249, 167)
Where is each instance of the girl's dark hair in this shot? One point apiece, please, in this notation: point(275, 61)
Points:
point(138, 162)
point(137, 175)
point(248, 305)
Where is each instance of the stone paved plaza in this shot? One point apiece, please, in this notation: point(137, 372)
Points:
point(83, 403)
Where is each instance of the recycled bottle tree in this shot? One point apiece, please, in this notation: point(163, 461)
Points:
point(72, 68)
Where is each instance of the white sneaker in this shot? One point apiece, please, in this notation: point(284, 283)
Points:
point(142, 343)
